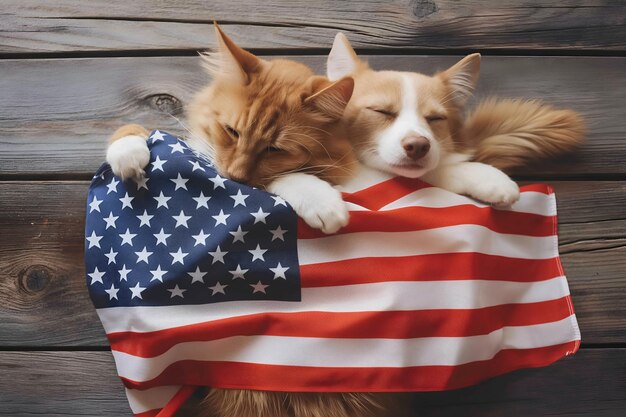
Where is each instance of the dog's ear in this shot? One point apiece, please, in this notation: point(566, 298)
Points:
point(330, 98)
point(462, 78)
point(342, 60)
point(230, 61)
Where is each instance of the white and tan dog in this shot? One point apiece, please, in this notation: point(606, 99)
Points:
point(412, 125)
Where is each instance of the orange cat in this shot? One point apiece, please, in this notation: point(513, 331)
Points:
point(271, 124)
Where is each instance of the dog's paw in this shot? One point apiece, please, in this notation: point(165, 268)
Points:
point(128, 157)
point(328, 213)
point(499, 191)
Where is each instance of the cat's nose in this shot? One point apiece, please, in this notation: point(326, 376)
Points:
point(415, 147)
point(238, 175)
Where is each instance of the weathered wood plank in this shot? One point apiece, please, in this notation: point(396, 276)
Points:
point(59, 384)
point(68, 25)
point(43, 295)
point(55, 115)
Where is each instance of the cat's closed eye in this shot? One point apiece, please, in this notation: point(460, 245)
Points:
point(231, 131)
point(274, 149)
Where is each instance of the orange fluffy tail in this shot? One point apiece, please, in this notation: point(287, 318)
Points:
point(510, 133)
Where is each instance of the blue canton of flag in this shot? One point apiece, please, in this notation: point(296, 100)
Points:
point(185, 235)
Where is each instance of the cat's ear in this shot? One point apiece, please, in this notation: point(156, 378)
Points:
point(342, 60)
point(230, 61)
point(462, 77)
point(330, 98)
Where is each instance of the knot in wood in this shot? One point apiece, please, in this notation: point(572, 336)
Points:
point(166, 103)
point(35, 279)
point(423, 8)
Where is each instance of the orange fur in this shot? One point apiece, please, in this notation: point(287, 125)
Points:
point(510, 133)
point(261, 119)
point(129, 130)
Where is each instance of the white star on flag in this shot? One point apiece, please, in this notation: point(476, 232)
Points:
point(218, 182)
point(141, 182)
point(258, 253)
point(238, 235)
point(260, 216)
point(218, 255)
point(200, 238)
point(143, 255)
point(158, 164)
point(178, 256)
point(177, 147)
point(181, 219)
point(196, 166)
point(279, 271)
point(111, 256)
point(161, 237)
point(239, 198)
point(95, 204)
point(136, 290)
point(162, 200)
point(177, 292)
point(96, 276)
point(201, 200)
point(197, 275)
point(126, 201)
point(110, 221)
point(124, 273)
point(112, 186)
point(112, 292)
point(157, 135)
point(93, 240)
point(218, 288)
point(144, 219)
point(259, 287)
point(157, 274)
point(180, 182)
point(221, 218)
point(278, 233)
point(238, 272)
point(127, 238)
point(279, 201)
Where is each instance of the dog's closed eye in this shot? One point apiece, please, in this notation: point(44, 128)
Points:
point(383, 111)
point(435, 118)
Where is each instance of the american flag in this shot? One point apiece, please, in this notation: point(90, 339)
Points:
point(202, 281)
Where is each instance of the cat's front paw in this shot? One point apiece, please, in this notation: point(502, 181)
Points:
point(499, 191)
point(313, 199)
point(329, 214)
point(128, 157)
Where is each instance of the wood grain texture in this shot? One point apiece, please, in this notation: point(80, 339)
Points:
point(67, 25)
point(44, 301)
point(56, 114)
point(60, 384)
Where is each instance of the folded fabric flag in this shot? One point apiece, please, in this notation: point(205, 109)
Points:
point(202, 281)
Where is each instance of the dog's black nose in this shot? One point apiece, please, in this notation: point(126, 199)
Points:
point(415, 147)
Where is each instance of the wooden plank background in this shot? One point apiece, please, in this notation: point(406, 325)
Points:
point(72, 71)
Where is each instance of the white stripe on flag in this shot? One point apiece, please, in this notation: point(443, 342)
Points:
point(451, 239)
point(380, 296)
point(348, 353)
point(529, 202)
point(150, 399)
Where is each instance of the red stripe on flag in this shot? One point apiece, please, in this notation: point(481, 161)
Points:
point(386, 192)
point(389, 324)
point(404, 220)
point(150, 413)
point(238, 375)
point(437, 267)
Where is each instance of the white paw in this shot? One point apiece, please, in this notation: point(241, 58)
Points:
point(499, 190)
point(128, 157)
point(329, 214)
point(313, 199)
